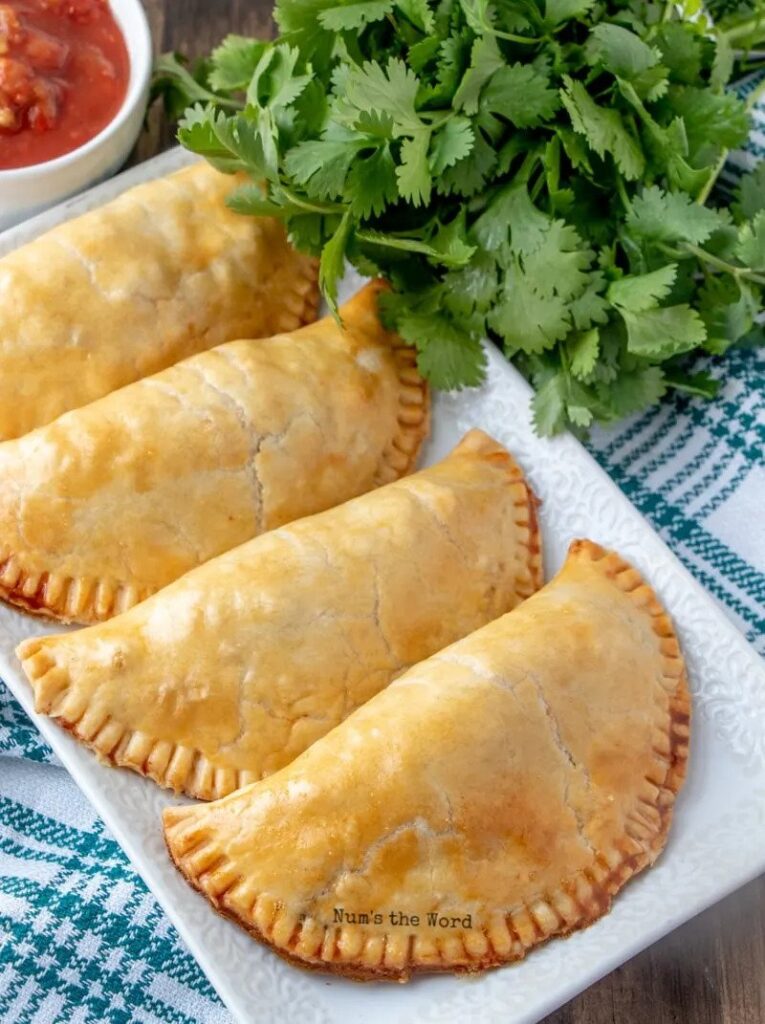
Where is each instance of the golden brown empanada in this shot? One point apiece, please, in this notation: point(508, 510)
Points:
point(233, 670)
point(113, 501)
point(162, 272)
point(500, 793)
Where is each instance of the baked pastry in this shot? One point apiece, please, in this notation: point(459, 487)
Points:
point(496, 795)
point(161, 272)
point(113, 501)
point(233, 670)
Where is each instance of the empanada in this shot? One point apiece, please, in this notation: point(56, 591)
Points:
point(233, 670)
point(162, 272)
point(500, 793)
point(113, 501)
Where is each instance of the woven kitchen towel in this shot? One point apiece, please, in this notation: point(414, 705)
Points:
point(82, 941)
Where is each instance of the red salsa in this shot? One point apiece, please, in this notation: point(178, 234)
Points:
point(64, 71)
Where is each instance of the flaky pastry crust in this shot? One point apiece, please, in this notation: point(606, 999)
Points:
point(500, 793)
point(162, 272)
point(111, 502)
point(232, 671)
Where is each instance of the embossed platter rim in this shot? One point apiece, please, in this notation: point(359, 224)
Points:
point(717, 843)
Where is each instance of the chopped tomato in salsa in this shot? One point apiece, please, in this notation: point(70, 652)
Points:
point(64, 70)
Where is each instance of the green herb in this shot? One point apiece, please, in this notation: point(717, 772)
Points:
point(534, 171)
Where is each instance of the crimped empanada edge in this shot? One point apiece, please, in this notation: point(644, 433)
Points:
point(301, 307)
point(354, 952)
point(171, 765)
point(69, 599)
point(412, 424)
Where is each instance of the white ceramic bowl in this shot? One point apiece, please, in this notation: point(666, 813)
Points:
point(28, 190)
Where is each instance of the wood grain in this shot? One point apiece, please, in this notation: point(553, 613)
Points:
point(712, 970)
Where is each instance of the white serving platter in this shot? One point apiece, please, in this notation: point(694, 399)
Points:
point(718, 839)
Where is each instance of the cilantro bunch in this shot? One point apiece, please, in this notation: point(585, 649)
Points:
point(534, 171)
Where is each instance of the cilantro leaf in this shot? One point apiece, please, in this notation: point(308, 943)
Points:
point(275, 82)
point(332, 262)
point(249, 199)
point(234, 62)
point(559, 265)
point(322, 165)
point(558, 11)
point(451, 143)
point(725, 58)
point(620, 51)
point(412, 174)
point(590, 307)
point(713, 121)
point(671, 216)
point(528, 320)
point(350, 17)
point(418, 12)
point(634, 294)
point(485, 59)
point(196, 131)
point(231, 143)
point(473, 287)
point(750, 194)
point(665, 332)
point(583, 349)
point(451, 65)
point(451, 242)
point(549, 406)
point(680, 52)
point(392, 89)
point(446, 355)
point(520, 93)
point(371, 183)
point(304, 231)
point(512, 209)
point(701, 384)
point(633, 390)
point(603, 129)
point(469, 175)
point(728, 309)
point(422, 53)
point(751, 244)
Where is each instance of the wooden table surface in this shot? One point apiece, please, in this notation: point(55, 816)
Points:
point(711, 971)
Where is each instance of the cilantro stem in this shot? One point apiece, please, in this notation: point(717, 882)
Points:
point(311, 207)
point(524, 171)
point(703, 256)
point(537, 187)
point(622, 193)
point(446, 115)
point(704, 194)
point(404, 244)
point(715, 261)
point(528, 40)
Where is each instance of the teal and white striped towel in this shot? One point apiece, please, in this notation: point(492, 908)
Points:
point(82, 941)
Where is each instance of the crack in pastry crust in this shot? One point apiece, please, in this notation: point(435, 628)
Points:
point(113, 501)
point(331, 590)
point(162, 272)
point(226, 849)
